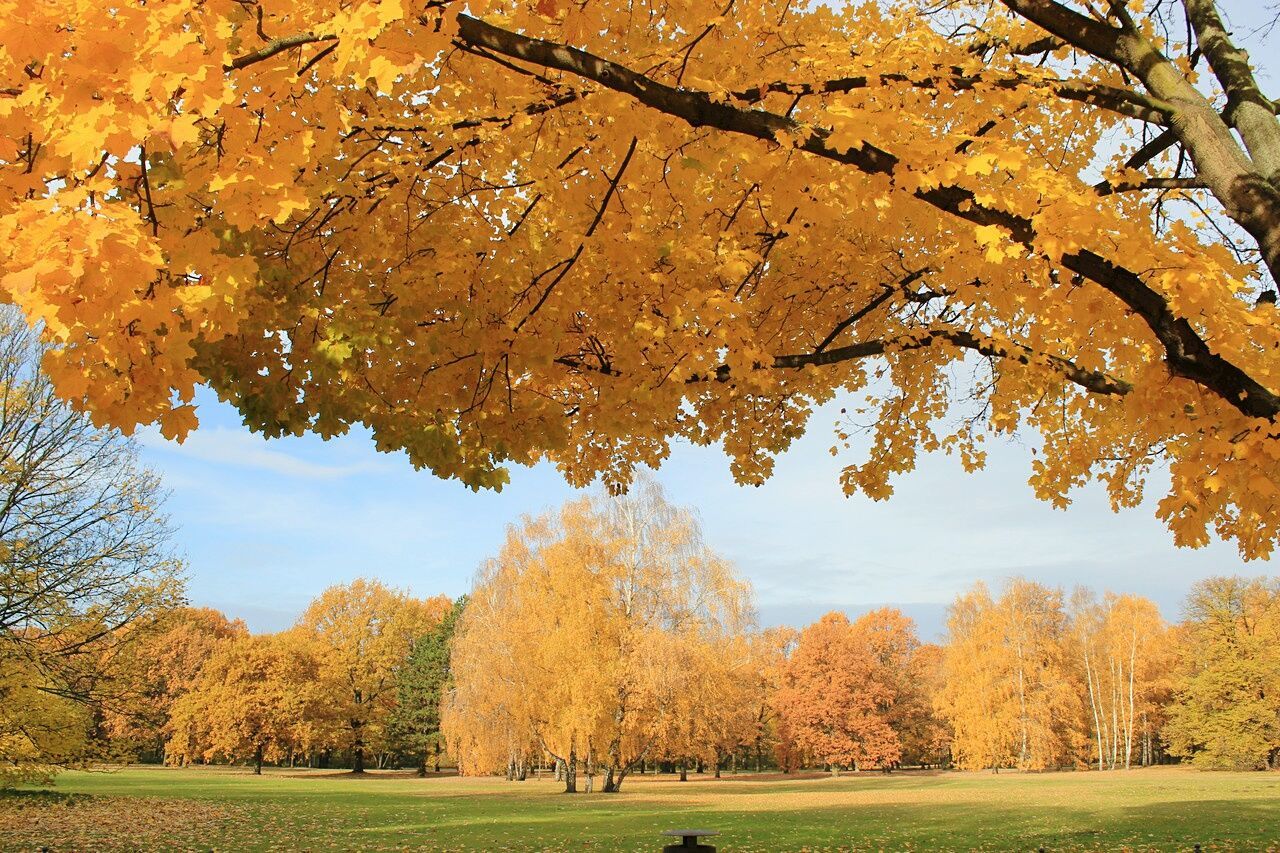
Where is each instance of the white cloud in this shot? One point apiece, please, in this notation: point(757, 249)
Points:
point(238, 447)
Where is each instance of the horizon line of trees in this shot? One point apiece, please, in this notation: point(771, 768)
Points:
point(627, 677)
point(606, 639)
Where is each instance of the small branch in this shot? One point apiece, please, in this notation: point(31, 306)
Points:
point(613, 186)
point(272, 48)
point(1093, 381)
point(868, 308)
point(1106, 188)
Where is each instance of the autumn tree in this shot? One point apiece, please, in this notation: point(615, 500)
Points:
point(585, 635)
point(1124, 648)
point(86, 566)
point(841, 685)
point(1226, 712)
point(363, 633)
point(770, 648)
point(509, 230)
point(925, 734)
point(718, 709)
point(421, 685)
point(1009, 694)
point(248, 701)
point(162, 665)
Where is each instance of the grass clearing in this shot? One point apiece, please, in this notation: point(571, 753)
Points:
point(150, 808)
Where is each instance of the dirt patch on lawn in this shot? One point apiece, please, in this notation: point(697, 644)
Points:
point(43, 820)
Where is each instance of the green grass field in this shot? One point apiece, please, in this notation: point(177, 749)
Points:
point(150, 808)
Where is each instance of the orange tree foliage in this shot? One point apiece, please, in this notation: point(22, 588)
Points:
point(164, 663)
point(361, 636)
point(601, 634)
point(522, 229)
point(842, 686)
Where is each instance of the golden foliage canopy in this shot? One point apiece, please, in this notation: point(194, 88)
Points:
point(520, 230)
point(608, 632)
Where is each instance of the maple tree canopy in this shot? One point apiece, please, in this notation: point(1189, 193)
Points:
point(505, 231)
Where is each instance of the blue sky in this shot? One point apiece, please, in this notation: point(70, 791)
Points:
point(266, 525)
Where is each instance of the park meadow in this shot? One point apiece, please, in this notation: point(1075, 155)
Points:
point(220, 808)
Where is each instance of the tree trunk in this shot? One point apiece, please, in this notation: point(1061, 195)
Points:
point(1093, 703)
point(1128, 735)
point(684, 772)
point(571, 773)
point(613, 779)
point(435, 763)
point(257, 761)
point(1022, 717)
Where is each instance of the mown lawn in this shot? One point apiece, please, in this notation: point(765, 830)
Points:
point(150, 808)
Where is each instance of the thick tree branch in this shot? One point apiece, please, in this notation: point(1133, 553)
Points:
point(1096, 382)
point(1247, 110)
point(1186, 353)
point(1242, 186)
point(1116, 99)
point(1075, 29)
point(1108, 188)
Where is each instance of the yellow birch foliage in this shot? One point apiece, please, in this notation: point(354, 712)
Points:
point(1009, 691)
point(588, 637)
point(438, 220)
point(1126, 653)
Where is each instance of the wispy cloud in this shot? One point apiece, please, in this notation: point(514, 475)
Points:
point(242, 449)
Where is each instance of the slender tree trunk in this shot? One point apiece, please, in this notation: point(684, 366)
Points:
point(1128, 735)
point(257, 761)
point(1115, 719)
point(1093, 703)
point(684, 774)
point(1022, 703)
point(571, 773)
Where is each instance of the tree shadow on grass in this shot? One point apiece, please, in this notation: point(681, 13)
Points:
point(10, 798)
